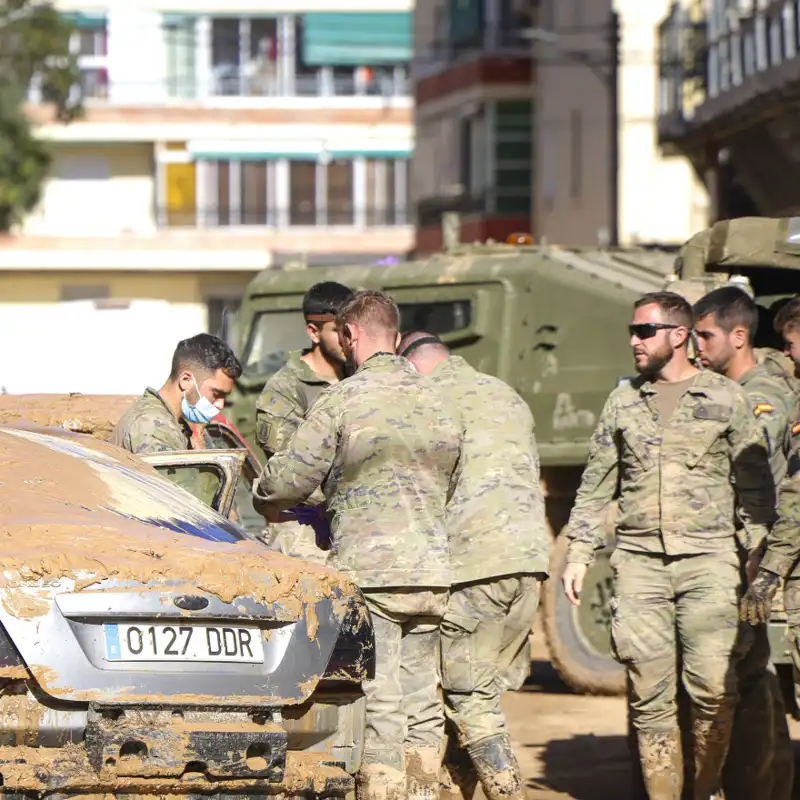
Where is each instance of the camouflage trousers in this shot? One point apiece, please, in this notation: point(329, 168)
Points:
point(760, 760)
point(486, 651)
point(403, 704)
point(294, 539)
point(663, 607)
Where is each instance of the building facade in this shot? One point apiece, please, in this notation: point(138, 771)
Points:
point(474, 118)
point(729, 84)
point(218, 139)
point(659, 198)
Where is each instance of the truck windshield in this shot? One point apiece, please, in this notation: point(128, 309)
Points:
point(272, 336)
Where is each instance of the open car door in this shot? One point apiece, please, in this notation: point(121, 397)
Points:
point(212, 476)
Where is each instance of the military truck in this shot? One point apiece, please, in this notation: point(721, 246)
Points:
point(549, 321)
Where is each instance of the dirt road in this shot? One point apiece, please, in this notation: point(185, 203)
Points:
point(570, 746)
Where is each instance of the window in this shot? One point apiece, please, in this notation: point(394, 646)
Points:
point(340, 193)
point(575, 154)
point(513, 153)
point(273, 335)
point(181, 191)
point(436, 318)
point(90, 45)
point(254, 193)
point(244, 56)
point(93, 41)
point(302, 193)
point(181, 56)
point(387, 191)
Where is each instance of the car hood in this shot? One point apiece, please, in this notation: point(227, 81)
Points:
point(92, 536)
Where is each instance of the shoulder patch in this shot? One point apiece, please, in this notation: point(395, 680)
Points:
point(712, 411)
point(763, 408)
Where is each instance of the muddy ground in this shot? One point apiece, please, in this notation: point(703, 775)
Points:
point(571, 746)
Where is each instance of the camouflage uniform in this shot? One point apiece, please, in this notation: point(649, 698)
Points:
point(498, 552)
point(676, 568)
point(761, 758)
point(281, 407)
point(385, 448)
point(149, 426)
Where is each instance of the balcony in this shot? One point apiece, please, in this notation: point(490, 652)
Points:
point(715, 66)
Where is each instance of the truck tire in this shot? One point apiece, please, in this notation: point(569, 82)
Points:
point(578, 639)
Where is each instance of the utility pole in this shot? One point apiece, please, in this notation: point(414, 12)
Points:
point(614, 120)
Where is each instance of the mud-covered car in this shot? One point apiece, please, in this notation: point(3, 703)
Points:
point(148, 646)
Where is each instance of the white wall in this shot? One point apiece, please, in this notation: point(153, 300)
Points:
point(97, 190)
point(77, 347)
point(661, 199)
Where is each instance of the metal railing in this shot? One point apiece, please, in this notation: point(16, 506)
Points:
point(296, 215)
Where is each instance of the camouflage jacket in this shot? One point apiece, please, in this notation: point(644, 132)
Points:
point(773, 405)
point(385, 448)
point(284, 402)
point(783, 543)
point(149, 426)
point(675, 484)
point(281, 407)
point(495, 521)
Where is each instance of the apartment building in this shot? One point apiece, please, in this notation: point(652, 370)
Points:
point(729, 84)
point(473, 83)
point(218, 139)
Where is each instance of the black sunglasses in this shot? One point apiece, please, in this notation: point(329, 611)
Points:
point(647, 330)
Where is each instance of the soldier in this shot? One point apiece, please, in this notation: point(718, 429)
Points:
point(782, 557)
point(385, 448)
point(683, 452)
point(287, 397)
point(499, 555)
point(203, 371)
point(761, 758)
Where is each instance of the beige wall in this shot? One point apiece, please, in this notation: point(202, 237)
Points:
point(660, 199)
point(97, 190)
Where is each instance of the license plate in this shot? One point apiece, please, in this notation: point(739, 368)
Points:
point(183, 643)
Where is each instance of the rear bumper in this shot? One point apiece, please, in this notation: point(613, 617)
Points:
point(68, 771)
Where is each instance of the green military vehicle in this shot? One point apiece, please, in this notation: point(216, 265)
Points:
point(552, 323)
point(549, 321)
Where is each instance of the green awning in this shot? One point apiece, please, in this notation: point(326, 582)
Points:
point(85, 19)
point(357, 38)
point(368, 153)
point(216, 150)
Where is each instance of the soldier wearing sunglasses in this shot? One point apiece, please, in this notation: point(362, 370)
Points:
point(684, 456)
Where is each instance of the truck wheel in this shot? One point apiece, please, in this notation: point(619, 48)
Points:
point(579, 639)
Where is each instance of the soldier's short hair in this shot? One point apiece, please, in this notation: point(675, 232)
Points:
point(372, 310)
point(674, 307)
point(787, 318)
point(731, 307)
point(325, 298)
point(207, 353)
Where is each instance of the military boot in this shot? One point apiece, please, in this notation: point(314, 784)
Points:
point(422, 772)
point(711, 738)
point(497, 768)
point(380, 782)
point(458, 778)
point(662, 764)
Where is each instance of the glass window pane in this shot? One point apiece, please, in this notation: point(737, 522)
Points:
point(254, 193)
point(223, 192)
point(391, 192)
point(302, 193)
point(436, 318)
point(340, 193)
point(273, 335)
point(204, 482)
point(263, 57)
point(225, 55)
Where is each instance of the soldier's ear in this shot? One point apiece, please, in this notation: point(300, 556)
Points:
point(397, 340)
point(740, 336)
point(185, 380)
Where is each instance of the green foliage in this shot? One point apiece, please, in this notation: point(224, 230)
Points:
point(34, 51)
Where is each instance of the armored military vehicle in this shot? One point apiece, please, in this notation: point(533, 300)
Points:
point(549, 321)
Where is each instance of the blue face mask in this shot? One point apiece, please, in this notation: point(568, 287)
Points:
point(202, 412)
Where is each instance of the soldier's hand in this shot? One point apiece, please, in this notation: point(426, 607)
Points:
point(572, 579)
point(756, 605)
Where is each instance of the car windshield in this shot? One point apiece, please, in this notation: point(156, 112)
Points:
point(134, 492)
point(273, 335)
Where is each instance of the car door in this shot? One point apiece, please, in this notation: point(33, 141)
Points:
point(210, 475)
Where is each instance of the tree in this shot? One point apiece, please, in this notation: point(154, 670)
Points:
point(34, 51)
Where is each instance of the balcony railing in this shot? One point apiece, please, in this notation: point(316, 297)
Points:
point(702, 56)
point(297, 215)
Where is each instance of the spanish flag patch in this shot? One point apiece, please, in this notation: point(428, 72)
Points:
point(763, 408)
point(795, 428)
